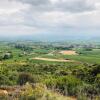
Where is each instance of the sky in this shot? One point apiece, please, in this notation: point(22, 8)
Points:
point(49, 17)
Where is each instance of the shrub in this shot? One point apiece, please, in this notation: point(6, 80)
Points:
point(25, 77)
point(68, 85)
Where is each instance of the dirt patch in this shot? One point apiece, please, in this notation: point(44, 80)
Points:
point(68, 52)
point(1, 63)
point(49, 59)
point(3, 92)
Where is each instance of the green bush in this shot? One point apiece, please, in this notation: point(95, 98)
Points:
point(26, 77)
point(68, 85)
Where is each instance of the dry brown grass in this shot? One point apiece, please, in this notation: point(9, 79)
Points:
point(68, 52)
point(49, 59)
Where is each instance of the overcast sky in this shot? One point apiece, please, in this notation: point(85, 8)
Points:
point(26, 17)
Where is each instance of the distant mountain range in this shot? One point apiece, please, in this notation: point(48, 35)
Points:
point(51, 38)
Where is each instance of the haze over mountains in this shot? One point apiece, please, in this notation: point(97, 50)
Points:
point(52, 37)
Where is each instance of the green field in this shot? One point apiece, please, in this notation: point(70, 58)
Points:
point(78, 76)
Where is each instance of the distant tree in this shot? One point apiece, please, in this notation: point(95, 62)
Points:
point(95, 70)
point(7, 56)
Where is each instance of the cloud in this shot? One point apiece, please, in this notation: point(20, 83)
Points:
point(63, 5)
point(35, 2)
point(75, 5)
point(49, 16)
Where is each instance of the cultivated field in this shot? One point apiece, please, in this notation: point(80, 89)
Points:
point(68, 52)
point(55, 60)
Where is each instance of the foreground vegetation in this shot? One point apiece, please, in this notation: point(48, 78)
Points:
point(25, 78)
